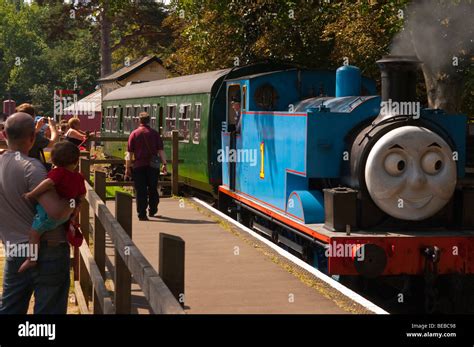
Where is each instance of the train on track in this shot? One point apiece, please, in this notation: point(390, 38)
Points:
point(360, 185)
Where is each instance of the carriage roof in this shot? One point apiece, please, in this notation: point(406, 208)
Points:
point(191, 84)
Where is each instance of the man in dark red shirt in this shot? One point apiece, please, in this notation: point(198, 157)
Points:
point(144, 144)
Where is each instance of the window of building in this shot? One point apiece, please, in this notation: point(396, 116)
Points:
point(197, 123)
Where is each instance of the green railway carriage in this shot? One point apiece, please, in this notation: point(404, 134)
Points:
point(195, 105)
point(183, 104)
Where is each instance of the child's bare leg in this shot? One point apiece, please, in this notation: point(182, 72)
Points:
point(34, 240)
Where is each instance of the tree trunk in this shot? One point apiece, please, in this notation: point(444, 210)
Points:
point(105, 51)
point(443, 89)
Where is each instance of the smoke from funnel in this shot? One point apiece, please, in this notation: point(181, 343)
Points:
point(436, 31)
point(440, 33)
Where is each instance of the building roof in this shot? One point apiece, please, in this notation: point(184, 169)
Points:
point(126, 71)
point(90, 103)
point(191, 84)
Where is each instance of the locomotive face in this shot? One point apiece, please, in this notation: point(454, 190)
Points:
point(410, 173)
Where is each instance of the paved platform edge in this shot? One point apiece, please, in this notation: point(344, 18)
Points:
point(344, 297)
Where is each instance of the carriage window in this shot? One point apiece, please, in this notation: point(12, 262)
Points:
point(197, 123)
point(135, 117)
point(153, 117)
point(184, 113)
point(107, 119)
point(127, 119)
point(244, 97)
point(170, 119)
point(113, 120)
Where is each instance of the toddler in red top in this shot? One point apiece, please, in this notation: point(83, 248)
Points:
point(69, 185)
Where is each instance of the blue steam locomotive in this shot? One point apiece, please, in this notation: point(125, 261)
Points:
point(347, 173)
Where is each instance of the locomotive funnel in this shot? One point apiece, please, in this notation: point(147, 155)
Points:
point(398, 77)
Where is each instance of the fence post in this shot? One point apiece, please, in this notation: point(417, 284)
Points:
point(84, 279)
point(123, 278)
point(99, 184)
point(85, 168)
point(171, 264)
point(99, 234)
point(175, 162)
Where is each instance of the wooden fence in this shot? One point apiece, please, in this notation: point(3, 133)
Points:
point(89, 266)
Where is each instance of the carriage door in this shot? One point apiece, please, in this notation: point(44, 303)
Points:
point(233, 91)
point(160, 120)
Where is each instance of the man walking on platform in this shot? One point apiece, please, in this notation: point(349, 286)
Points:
point(146, 147)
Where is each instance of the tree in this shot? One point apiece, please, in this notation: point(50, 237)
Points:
point(313, 34)
point(39, 55)
point(126, 29)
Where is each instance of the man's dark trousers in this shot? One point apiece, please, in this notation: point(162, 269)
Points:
point(49, 281)
point(145, 180)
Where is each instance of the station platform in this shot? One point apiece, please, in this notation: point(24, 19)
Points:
point(226, 270)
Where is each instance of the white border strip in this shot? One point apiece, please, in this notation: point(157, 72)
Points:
point(336, 285)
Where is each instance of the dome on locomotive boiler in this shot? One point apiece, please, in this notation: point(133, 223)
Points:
point(348, 81)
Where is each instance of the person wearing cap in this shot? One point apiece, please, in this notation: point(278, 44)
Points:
point(235, 103)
